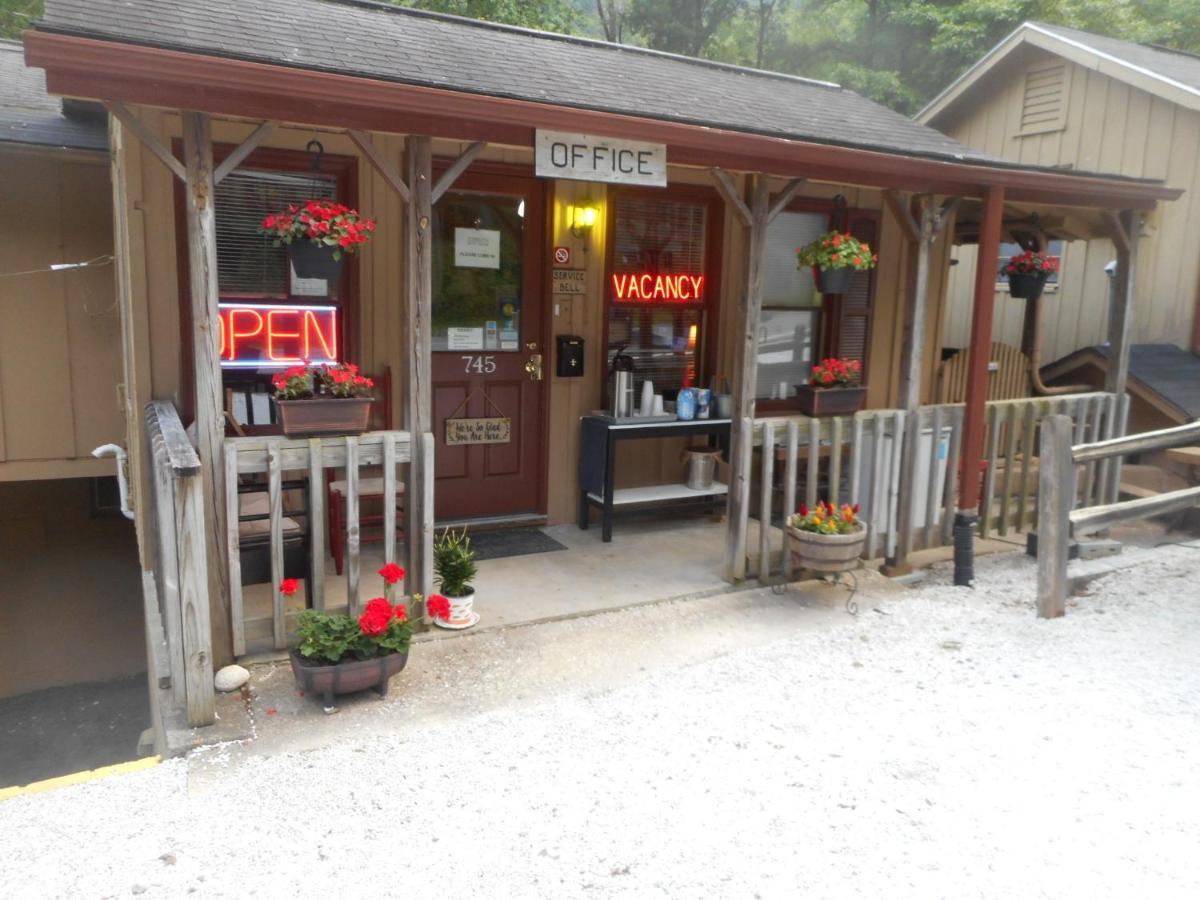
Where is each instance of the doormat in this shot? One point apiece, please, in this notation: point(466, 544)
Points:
point(512, 542)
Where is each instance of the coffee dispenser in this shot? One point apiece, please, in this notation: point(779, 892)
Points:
point(620, 387)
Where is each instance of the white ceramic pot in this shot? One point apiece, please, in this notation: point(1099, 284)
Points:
point(461, 613)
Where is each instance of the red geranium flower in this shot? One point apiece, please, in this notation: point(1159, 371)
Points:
point(392, 573)
point(376, 617)
point(289, 586)
point(437, 606)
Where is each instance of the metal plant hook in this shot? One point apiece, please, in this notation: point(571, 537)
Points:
point(317, 149)
point(839, 213)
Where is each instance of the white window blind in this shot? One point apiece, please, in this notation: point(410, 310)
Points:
point(247, 264)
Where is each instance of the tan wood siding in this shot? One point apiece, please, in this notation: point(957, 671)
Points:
point(1110, 127)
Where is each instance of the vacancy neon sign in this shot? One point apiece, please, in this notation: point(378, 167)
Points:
point(647, 288)
point(264, 336)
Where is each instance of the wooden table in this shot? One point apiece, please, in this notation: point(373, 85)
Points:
point(597, 469)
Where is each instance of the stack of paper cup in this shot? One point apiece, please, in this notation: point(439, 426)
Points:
point(647, 407)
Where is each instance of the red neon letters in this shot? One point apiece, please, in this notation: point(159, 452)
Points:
point(670, 288)
point(264, 336)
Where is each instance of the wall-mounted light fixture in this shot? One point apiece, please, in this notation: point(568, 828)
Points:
point(582, 218)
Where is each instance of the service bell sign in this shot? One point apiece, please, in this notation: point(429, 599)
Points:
point(586, 157)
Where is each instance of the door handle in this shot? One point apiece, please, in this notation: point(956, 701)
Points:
point(533, 367)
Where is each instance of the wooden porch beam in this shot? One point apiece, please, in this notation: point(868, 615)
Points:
point(244, 149)
point(900, 211)
point(1120, 307)
point(745, 369)
point(457, 168)
point(1117, 232)
point(784, 197)
point(419, 402)
point(379, 162)
point(210, 400)
point(729, 192)
point(148, 138)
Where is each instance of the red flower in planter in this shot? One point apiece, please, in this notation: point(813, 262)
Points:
point(376, 617)
point(392, 573)
point(289, 586)
point(400, 613)
point(437, 606)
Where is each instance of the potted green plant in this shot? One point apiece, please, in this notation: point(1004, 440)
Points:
point(1028, 273)
point(834, 257)
point(323, 400)
point(342, 654)
point(318, 235)
point(833, 389)
point(826, 539)
point(455, 569)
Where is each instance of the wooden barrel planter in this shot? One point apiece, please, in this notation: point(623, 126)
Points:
point(826, 553)
point(330, 680)
point(830, 401)
point(323, 416)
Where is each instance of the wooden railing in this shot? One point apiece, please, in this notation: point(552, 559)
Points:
point(1010, 479)
point(859, 459)
point(181, 568)
point(1060, 517)
point(276, 467)
point(862, 465)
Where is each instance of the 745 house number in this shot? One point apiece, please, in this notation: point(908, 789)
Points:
point(480, 365)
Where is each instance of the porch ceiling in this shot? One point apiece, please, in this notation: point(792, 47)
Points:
point(407, 72)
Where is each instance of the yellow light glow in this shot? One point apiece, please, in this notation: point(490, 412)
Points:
point(582, 216)
point(691, 342)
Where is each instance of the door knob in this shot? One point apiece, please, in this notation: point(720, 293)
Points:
point(533, 366)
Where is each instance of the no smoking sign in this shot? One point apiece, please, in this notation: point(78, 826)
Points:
point(562, 256)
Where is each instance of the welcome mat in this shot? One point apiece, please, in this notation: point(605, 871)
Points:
point(512, 542)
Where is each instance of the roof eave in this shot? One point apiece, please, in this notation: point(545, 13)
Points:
point(110, 70)
point(1034, 35)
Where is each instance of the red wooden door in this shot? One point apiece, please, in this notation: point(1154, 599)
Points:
point(488, 236)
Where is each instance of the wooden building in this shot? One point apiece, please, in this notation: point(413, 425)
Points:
point(1053, 96)
point(489, 149)
point(66, 554)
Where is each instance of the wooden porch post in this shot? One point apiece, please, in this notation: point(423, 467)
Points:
point(210, 419)
point(745, 384)
point(419, 414)
point(1120, 303)
point(974, 419)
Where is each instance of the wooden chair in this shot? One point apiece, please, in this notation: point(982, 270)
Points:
point(1008, 368)
point(254, 536)
point(369, 488)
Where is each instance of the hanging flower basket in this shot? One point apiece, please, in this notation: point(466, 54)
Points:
point(323, 400)
point(826, 539)
point(834, 257)
point(1028, 273)
point(318, 235)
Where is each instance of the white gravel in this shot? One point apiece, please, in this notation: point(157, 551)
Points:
point(946, 744)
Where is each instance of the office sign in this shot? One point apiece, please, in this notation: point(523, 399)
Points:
point(586, 157)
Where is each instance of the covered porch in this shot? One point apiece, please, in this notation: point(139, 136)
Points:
point(915, 466)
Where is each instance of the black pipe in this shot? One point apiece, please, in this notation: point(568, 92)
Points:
point(964, 549)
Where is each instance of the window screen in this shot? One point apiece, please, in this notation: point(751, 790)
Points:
point(659, 242)
point(1009, 250)
point(785, 285)
point(247, 264)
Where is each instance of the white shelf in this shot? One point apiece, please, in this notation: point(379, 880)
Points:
point(658, 493)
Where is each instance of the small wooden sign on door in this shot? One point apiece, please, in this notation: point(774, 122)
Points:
point(495, 430)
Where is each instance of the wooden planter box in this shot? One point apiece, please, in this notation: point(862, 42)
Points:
point(324, 416)
point(828, 553)
point(346, 677)
point(830, 401)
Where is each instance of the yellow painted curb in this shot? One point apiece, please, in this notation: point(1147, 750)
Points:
point(62, 781)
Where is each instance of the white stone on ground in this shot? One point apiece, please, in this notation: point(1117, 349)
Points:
point(944, 743)
point(230, 678)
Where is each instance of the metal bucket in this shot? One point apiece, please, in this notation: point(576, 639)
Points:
point(701, 467)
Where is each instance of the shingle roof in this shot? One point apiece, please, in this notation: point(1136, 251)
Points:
point(28, 115)
point(1176, 65)
point(396, 44)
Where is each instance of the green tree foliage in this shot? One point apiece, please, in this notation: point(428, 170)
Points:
point(681, 26)
point(16, 16)
point(546, 15)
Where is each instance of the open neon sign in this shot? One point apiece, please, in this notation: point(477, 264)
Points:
point(267, 336)
point(647, 288)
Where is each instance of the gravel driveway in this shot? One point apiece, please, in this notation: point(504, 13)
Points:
point(943, 743)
